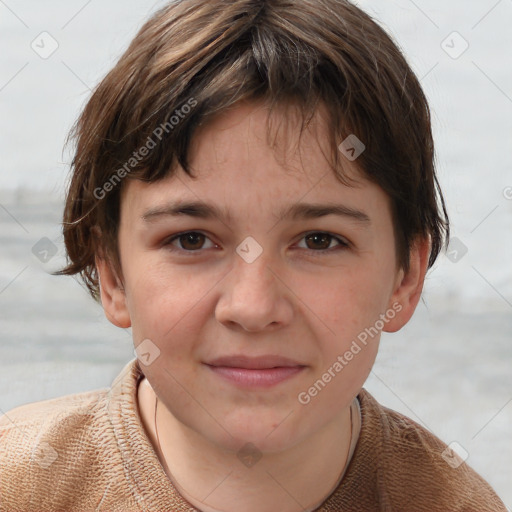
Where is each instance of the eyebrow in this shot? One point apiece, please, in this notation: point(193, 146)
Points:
point(299, 211)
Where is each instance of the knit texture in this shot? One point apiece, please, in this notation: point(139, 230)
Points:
point(90, 452)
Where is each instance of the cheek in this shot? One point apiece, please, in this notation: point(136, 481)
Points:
point(346, 301)
point(164, 305)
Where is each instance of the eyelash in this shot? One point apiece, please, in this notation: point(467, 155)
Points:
point(342, 243)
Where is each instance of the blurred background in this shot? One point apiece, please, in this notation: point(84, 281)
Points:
point(450, 368)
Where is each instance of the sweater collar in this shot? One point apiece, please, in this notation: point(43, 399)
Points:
point(153, 490)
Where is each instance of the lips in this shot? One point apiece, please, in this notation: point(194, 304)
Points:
point(255, 363)
point(255, 372)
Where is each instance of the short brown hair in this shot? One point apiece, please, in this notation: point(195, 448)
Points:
point(212, 54)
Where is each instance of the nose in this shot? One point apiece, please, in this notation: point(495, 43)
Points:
point(254, 297)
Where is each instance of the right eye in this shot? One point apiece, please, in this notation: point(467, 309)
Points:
point(190, 241)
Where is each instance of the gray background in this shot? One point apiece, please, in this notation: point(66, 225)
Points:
point(449, 369)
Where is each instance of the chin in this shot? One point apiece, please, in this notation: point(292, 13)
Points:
point(270, 436)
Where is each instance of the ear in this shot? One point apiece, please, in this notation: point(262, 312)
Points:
point(113, 297)
point(409, 285)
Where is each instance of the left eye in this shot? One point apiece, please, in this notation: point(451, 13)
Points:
point(320, 241)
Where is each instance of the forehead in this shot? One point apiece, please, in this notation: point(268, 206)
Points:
point(251, 132)
point(244, 159)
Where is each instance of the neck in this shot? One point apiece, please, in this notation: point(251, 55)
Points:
point(212, 478)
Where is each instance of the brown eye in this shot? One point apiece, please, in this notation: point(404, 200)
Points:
point(322, 242)
point(318, 241)
point(191, 241)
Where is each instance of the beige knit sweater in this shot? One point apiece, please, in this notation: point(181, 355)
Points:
point(89, 452)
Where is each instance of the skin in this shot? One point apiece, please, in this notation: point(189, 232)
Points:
point(301, 298)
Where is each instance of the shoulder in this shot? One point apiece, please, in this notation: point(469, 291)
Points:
point(46, 444)
point(419, 469)
point(49, 419)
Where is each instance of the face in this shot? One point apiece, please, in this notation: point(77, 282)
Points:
point(264, 286)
